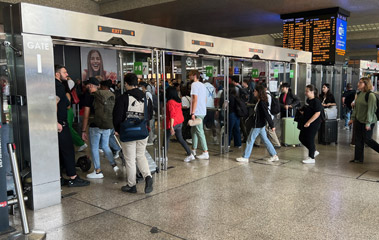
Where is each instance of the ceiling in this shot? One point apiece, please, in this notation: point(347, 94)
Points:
point(238, 18)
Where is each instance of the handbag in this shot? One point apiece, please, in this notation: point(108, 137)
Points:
point(133, 129)
point(75, 98)
point(331, 112)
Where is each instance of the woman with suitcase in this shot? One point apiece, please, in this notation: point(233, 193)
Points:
point(258, 123)
point(312, 121)
point(327, 97)
point(364, 118)
point(287, 101)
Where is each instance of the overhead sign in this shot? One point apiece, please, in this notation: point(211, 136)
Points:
point(255, 73)
point(341, 37)
point(209, 71)
point(322, 32)
point(291, 74)
point(202, 43)
point(116, 30)
point(138, 68)
point(276, 73)
point(236, 70)
point(254, 50)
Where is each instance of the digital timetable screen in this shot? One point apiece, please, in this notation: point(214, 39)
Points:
point(324, 36)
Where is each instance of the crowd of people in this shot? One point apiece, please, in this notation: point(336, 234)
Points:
point(191, 108)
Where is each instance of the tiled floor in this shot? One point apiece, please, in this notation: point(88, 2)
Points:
point(223, 199)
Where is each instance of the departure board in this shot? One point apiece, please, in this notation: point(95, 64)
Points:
point(324, 36)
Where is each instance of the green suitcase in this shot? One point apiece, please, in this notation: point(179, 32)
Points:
point(290, 132)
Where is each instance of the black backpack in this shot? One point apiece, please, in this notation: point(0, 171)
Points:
point(241, 108)
point(275, 105)
point(377, 102)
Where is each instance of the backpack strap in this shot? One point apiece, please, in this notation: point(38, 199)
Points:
point(367, 95)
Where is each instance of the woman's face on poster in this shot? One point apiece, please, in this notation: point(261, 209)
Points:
point(95, 61)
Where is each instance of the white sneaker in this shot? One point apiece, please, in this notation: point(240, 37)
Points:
point(116, 155)
point(189, 141)
point(204, 156)
point(81, 148)
point(242, 159)
point(346, 128)
point(149, 144)
point(309, 161)
point(194, 152)
point(189, 158)
point(95, 175)
point(116, 169)
point(101, 150)
point(317, 153)
point(273, 158)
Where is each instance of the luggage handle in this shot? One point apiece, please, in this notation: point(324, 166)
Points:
point(287, 112)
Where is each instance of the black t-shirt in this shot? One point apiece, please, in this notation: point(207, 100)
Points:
point(328, 99)
point(63, 102)
point(349, 97)
point(314, 105)
point(88, 102)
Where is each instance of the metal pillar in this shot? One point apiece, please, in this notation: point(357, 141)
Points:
point(159, 109)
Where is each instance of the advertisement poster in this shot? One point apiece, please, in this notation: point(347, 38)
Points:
point(98, 62)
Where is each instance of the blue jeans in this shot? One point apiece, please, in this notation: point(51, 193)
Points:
point(347, 117)
point(112, 142)
point(95, 135)
point(234, 129)
point(251, 139)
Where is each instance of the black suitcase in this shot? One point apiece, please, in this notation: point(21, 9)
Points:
point(328, 132)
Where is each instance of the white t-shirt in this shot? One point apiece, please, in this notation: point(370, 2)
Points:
point(198, 89)
point(211, 95)
point(149, 96)
point(269, 103)
point(186, 102)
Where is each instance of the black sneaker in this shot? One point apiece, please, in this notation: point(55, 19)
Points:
point(148, 184)
point(128, 189)
point(64, 182)
point(356, 161)
point(78, 182)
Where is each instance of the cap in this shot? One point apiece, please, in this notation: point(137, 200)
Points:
point(93, 80)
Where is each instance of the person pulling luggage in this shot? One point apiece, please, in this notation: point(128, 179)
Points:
point(130, 117)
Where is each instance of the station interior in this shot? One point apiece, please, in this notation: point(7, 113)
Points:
point(163, 43)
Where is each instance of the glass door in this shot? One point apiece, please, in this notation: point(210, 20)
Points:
point(213, 74)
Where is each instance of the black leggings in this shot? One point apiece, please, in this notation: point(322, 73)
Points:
point(363, 136)
point(179, 137)
point(307, 138)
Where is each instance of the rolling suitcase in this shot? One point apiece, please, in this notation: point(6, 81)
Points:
point(290, 132)
point(152, 165)
point(328, 132)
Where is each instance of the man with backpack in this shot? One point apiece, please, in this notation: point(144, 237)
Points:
point(98, 110)
point(130, 116)
point(274, 108)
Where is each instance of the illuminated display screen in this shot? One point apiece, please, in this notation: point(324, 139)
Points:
point(202, 43)
point(116, 30)
point(324, 36)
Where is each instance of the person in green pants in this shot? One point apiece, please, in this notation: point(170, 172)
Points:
point(76, 138)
